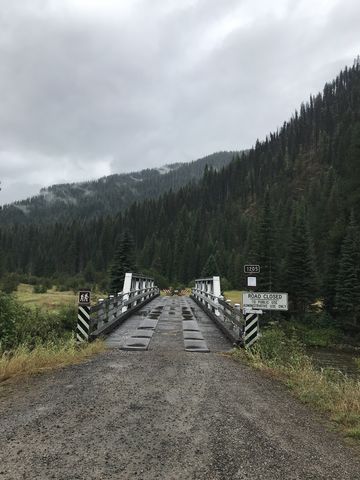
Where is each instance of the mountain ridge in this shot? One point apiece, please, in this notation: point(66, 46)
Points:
point(115, 192)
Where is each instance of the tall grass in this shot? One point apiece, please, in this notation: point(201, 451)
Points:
point(329, 391)
point(25, 360)
point(33, 340)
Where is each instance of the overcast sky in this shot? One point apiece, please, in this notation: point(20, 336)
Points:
point(94, 87)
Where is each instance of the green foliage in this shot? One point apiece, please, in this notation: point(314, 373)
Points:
point(347, 300)
point(224, 284)
point(104, 197)
point(43, 326)
point(10, 283)
point(265, 248)
point(123, 262)
point(210, 268)
point(277, 347)
point(27, 326)
point(10, 312)
point(40, 289)
point(301, 279)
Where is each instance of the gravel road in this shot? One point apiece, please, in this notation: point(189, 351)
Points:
point(164, 414)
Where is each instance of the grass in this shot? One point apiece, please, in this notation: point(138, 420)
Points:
point(234, 295)
point(329, 391)
point(26, 361)
point(51, 300)
point(357, 362)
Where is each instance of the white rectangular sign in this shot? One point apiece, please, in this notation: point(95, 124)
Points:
point(251, 281)
point(265, 300)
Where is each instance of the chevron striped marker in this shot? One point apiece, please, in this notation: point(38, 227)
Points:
point(83, 324)
point(251, 329)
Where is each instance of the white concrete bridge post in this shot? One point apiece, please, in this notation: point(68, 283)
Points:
point(126, 290)
point(216, 292)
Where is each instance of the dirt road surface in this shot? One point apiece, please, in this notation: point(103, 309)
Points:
point(164, 414)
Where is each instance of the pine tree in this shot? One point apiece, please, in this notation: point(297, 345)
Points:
point(123, 262)
point(210, 268)
point(300, 276)
point(347, 298)
point(265, 247)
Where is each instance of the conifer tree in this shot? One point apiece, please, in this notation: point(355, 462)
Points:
point(210, 268)
point(301, 282)
point(347, 298)
point(265, 247)
point(123, 262)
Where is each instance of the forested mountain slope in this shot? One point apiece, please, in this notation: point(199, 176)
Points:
point(291, 204)
point(107, 195)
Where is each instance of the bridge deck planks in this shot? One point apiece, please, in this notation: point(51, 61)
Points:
point(177, 324)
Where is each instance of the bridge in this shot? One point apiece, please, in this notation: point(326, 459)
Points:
point(130, 319)
point(166, 402)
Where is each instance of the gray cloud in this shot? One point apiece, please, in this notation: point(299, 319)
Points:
point(90, 88)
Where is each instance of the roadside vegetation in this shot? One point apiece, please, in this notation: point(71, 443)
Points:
point(51, 298)
point(26, 360)
point(34, 338)
point(283, 356)
point(234, 295)
point(314, 328)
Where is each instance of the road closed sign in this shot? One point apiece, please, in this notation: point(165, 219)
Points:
point(265, 300)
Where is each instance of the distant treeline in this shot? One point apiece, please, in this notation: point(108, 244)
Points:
point(107, 195)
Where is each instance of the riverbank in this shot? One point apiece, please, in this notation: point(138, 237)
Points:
point(328, 390)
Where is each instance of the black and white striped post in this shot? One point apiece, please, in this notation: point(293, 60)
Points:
point(83, 321)
point(251, 329)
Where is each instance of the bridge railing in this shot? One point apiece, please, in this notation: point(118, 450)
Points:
point(207, 294)
point(109, 313)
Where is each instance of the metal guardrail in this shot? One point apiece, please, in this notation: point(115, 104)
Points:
point(104, 317)
point(228, 318)
point(109, 313)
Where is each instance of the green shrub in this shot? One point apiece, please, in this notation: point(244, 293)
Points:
point(10, 312)
point(10, 283)
point(275, 347)
point(39, 288)
point(31, 327)
point(225, 284)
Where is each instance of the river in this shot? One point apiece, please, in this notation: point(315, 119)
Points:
point(336, 359)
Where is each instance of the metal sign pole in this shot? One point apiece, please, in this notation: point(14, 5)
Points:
point(83, 321)
point(251, 330)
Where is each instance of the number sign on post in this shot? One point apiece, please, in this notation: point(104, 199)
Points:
point(250, 269)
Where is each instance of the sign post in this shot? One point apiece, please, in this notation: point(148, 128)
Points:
point(83, 323)
point(251, 329)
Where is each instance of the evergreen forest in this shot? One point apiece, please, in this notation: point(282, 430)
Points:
point(290, 204)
